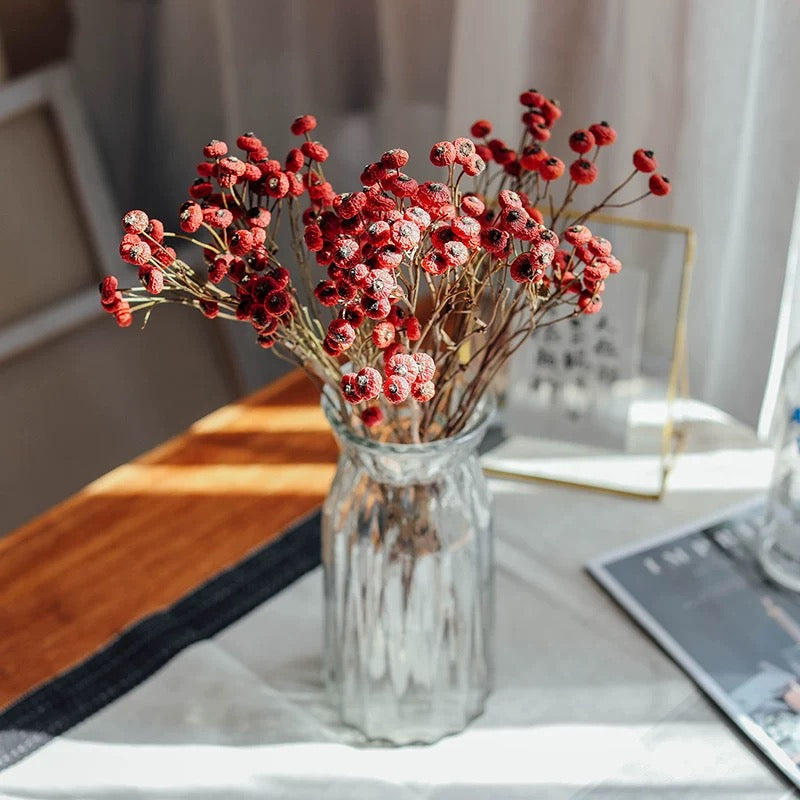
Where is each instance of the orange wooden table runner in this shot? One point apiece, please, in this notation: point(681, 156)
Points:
point(150, 531)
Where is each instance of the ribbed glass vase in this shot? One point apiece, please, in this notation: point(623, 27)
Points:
point(409, 599)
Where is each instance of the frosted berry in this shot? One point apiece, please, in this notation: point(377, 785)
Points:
point(426, 368)
point(135, 221)
point(396, 389)
point(369, 383)
point(350, 390)
point(443, 154)
point(383, 334)
point(423, 392)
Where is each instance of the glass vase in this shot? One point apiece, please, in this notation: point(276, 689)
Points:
point(780, 541)
point(409, 591)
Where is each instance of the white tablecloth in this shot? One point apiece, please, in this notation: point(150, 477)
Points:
point(585, 705)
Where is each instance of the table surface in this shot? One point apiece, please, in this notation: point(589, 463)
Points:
point(145, 534)
point(577, 668)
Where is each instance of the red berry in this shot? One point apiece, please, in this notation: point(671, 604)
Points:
point(348, 205)
point(350, 390)
point(419, 216)
point(455, 253)
point(401, 185)
point(276, 185)
point(108, 288)
point(217, 217)
point(434, 263)
point(376, 307)
point(354, 315)
point(165, 256)
point(403, 365)
point(327, 293)
point(303, 124)
point(540, 132)
point(258, 217)
point(135, 221)
point(465, 150)
point(422, 392)
point(391, 351)
point(210, 308)
point(659, 185)
point(474, 166)
point(603, 133)
point(219, 269)
point(531, 98)
point(533, 156)
point(443, 154)
point(583, 172)
point(123, 316)
point(599, 246)
point(230, 166)
point(155, 230)
point(251, 172)
point(495, 241)
point(426, 368)
point(405, 234)
point(467, 230)
point(481, 128)
point(248, 141)
point(396, 389)
point(524, 268)
point(152, 279)
point(514, 221)
point(577, 234)
point(215, 148)
point(589, 304)
point(394, 158)
point(383, 334)
point(473, 205)
point(389, 257)
point(582, 141)
point(315, 151)
point(552, 169)
point(341, 332)
point(133, 250)
point(241, 242)
point(295, 160)
point(258, 154)
point(484, 152)
point(551, 111)
point(278, 302)
point(372, 416)
point(413, 329)
point(645, 161)
point(369, 383)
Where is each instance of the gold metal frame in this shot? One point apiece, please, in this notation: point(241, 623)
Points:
point(674, 434)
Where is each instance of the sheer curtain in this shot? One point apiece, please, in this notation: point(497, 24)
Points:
point(708, 85)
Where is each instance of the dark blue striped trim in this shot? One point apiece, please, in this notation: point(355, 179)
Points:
point(69, 698)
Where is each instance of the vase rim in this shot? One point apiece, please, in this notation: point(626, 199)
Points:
point(473, 430)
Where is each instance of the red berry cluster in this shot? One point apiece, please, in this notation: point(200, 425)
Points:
point(380, 248)
point(539, 117)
